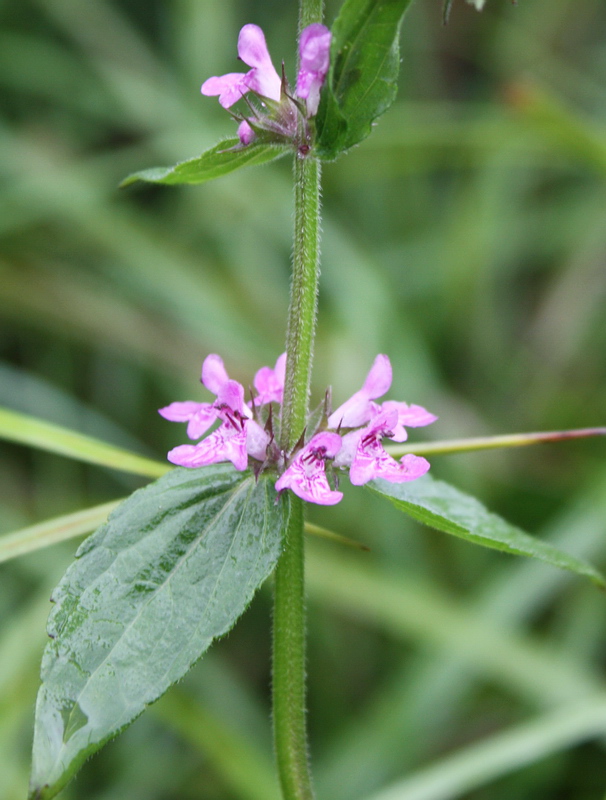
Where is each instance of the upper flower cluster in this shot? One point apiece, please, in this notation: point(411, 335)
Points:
point(287, 118)
point(350, 437)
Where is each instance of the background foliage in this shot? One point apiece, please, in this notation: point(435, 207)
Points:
point(466, 239)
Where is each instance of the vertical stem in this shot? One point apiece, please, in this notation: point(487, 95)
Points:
point(289, 708)
point(300, 333)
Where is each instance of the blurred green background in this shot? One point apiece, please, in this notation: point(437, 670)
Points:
point(466, 239)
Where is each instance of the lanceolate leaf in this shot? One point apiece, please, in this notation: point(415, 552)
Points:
point(445, 508)
point(214, 163)
point(362, 81)
point(174, 567)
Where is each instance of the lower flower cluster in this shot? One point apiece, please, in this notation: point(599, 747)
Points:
point(348, 438)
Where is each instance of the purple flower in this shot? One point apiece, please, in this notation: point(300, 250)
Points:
point(360, 408)
point(262, 78)
point(306, 475)
point(238, 437)
point(200, 416)
point(314, 55)
point(364, 454)
point(411, 416)
point(269, 383)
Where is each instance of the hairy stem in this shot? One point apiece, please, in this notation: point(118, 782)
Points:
point(300, 333)
point(289, 706)
point(290, 735)
point(289, 710)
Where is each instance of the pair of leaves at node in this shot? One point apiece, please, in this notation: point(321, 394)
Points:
point(173, 568)
point(360, 86)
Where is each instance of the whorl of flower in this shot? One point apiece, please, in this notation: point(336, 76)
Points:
point(284, 119)
point(349, 438)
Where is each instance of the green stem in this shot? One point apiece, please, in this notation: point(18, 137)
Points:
point(288, 685)
point(290, 735)
point(303, 300)
point(289, 710)
point(491, 442)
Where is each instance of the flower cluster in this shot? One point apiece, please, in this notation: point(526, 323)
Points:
point(288, 117)
point(350, 437)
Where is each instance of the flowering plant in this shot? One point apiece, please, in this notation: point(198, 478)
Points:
point(176, 564)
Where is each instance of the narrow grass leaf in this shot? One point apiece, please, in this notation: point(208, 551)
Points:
point(494, 757)
point(34, 432)
point(441, 506)
point(174, 567)
point(52, 531)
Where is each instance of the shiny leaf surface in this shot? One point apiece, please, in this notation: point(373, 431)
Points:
point(220, 160)
point(362, 81)
point(441, 506)
point(174, 567)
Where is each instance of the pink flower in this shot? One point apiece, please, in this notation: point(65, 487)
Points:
point(306, 476)
point(200, 416)
point(314, 55)
point(238, 437)
point(411, 416)
point(360, 408)
point(364, 453)
point(262, 78)
point(269, 383)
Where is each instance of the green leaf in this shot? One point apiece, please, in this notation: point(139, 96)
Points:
point(214, 163)
point(22, 428)
point(174, 567)
point(445, 508)
point(362, 80)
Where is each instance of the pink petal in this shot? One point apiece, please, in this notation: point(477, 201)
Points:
point(379, 378)
point(252, 49)
point(230, 88)
point(181, 412)
point(314, 52)
point(314, 48)
point(280, 368)
point(245, 133)
point(360, 409)
point(412, 416)
point(214, 374)
point(225, 444)
point(199, 416)
point(231, 397)
point(257, 440)
point(269, 382)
